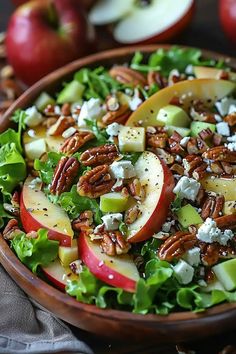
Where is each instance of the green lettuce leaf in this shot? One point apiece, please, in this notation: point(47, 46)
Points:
point(74, 204)
point(3, 215)
point(46, 168)
point(35, 252)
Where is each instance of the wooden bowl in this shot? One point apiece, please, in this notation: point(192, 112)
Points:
point(175, 327)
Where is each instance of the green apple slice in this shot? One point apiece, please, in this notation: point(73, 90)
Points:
point(131, 139)
point(71, 93)
point(188, 215)
point(113, 202)
point(173, 115)
point(43, 101)
point(68, 254)
point(226, 274)
point(197, 127)
point(182, 131)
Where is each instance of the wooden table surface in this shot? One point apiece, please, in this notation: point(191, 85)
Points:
point(204, 32)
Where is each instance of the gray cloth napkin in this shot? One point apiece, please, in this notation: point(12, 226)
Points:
point(26, 327)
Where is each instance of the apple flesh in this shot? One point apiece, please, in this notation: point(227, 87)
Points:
point(45, 35)
point(220, 185)
point(53, 143)
point(58, 275)
point(119, 271)
point(206, 90)
point(159, 181)
point(143, 21)
point(36, 212)
point(205, 72)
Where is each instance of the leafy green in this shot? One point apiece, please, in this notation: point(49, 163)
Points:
point(74, 204)
point(98, 83)
point(131, 156)
point(99, 133)
point(149, 249)
point(19, 117)
point(34, 252)
point(12, 167)
point(3, 215)
point(176, 204)
point(175, 58)
point(46, 168)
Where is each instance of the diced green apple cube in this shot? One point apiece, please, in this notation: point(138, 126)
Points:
point(197, 127)
point(71, 93)
point(131, 139)
point(113, 202)
point(35, 149)
point(226, 273)
point(173, 115)
point(181, 130)
point(43, 101)
point(68, 255)
point(188, 215)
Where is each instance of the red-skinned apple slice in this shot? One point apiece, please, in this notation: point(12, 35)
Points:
point(119, 271)
point(206, 90)
point(58, 275)
point(36, 212)
point(205, 72)
point(143, 21)
point(159, 182)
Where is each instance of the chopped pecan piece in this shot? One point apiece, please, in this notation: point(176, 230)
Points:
point(155, 78)
point(64, 175)
point(231, 119)
point(137, 190)
point(200, 172)
point(99, 155)
point(48, 122)
point(176, 245)
point(192, 146)
point(113, 243)
point(226, 221)
point(164, 155)
point(205, 134)
point(211, 253)
point(176, 148)
point(65, 109)
point(119, 116)
point(76, 141)
point(216, 167)
point(127, 75)
point(85, 219)
point(11, 230)
point(212, 207)
point(220, 153)
point(217, 139)
point(191, 162)
point(61, 125)
point(95, 182)
point(158, 140)
point(132, 214)
point(176, 168)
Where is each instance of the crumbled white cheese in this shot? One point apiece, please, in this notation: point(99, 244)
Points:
point(112, 221)
point(192, 256)
point(209, 232)
point(184, 141)
point(224, 105)
point(57, 110)
point(189, 69)
point(178, 158)
point(33, 117)
point(167, 225)
point(122, 169)
point(231, 146)
point(223, 128)
point(187, 188)
point(218, 118)
point(232, 108)
point(135, 102)
point(173, 73)
point(35, 182)
point(183, 272)
point(90, 110)
point(118, 184)
point(113, 129)
point(68, 132)
point(232, 138)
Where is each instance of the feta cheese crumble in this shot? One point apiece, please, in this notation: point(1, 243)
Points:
point(209, 232)
point(187, 188)
point(112, 221)
point(33, 117)
point(192, 256)
point(183, 272)
point(223, 128)
point(90, 110)
point(113, 129)
point(122, 169)
point(224, 105)
point(184, 141)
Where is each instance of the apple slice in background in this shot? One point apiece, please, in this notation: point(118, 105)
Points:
point(159, 181)
point(206, 90)
point(143, 21)
point(36, 212)
point(118, 271)
point(58, 275)
point(205, 72)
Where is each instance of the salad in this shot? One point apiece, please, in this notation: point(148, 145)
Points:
point(120, 189)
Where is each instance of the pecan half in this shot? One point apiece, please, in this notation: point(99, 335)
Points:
point(99, 155)
point(11, 230)
point(127, 76)
point(120, 115)
point(131, 215)
point(76, 141)
point(212, 207)
point(95, 182)
point(231, 119)
point(60, 126)
point(176, 245)
point(220, 153)
point(211, 253)
point(113, 243)
point(154, 77)
point(226, 221)
point(64, 175)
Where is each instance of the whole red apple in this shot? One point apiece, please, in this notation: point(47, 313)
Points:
point(44, 35)
point(227, 12)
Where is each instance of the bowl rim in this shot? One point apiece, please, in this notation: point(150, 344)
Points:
point(13, 265)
